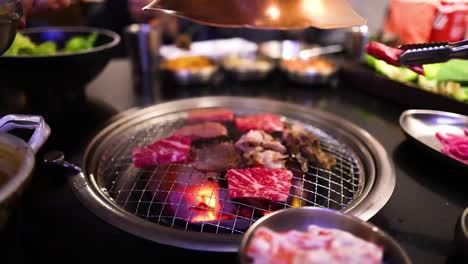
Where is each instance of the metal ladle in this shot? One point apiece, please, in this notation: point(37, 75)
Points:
point(10, 14)
point(263, 14)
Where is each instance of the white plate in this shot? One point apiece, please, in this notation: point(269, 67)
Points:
point(214, 49)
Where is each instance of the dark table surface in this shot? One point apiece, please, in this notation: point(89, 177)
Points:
point(49, 224)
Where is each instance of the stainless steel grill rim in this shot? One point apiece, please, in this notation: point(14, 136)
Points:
point(371, 196)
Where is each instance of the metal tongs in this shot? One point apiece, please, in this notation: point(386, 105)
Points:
point(436, 52)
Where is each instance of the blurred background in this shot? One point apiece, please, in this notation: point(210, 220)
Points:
point(117, 14)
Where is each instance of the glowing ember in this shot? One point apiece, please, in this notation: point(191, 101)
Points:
point(200, 201)
point(203, 201)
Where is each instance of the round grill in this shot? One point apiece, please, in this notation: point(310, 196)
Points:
point(171, 205)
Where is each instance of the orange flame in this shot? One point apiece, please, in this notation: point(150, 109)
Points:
point(204, 202)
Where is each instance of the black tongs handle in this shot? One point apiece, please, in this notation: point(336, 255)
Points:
point(459, 43)
point(436, 52)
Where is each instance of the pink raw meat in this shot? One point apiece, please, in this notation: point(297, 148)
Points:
point(389, 55)
point(265, 122)
point(206, 130)
point(164, 151)
point(210, 114)
point(317, 245)
point(271, 184)
point(455, 146)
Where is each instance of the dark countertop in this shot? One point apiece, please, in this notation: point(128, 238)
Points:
point(50, 224)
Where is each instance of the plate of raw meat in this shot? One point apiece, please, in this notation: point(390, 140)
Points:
point(317, 235)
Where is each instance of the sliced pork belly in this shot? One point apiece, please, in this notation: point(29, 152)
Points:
point(317, 245)
point(265, 122)
point(257, 138)
point(261, 150)
point(216, 157)
point(210, 114)
point(164, 151)
point(305, 147)
point(206, 130)
point(268, 159)
point(261, 183)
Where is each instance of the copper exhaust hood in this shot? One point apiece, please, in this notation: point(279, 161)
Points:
point(263, 14)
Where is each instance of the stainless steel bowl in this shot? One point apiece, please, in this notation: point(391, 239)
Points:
point(308, 77)
point(285, 49)
point(255, 70)
point(17, 159)
point(301, 218)
point(192, 77)
point(188, 76)
point(461, 235)
point(10, 14)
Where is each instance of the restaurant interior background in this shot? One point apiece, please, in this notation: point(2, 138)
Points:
point(117, 15)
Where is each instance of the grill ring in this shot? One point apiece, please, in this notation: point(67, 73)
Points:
point(376, 172)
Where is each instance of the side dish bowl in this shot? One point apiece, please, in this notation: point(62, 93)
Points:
point(190, 70)
point(301, 218)
point(248, 69)
point(310, 71)
point(61, 70)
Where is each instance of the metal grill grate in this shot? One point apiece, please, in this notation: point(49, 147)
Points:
point(170, 195)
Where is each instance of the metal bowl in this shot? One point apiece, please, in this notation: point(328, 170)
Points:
point(186, 76)
point(17, 158)
point(285, 49)
point(461, 235)
point(10, 14)
point(191, 77)
point(308, 77)
point(301, 218)
point(251, 72)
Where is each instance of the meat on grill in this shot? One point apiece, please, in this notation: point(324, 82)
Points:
point(305, 147)
point(210, 114)
point(316, 245)
point(260, 183)
point(268, 159)
point(164, 151)
point(206, 130)
point(257, 138)
point(265, 122)
point(216, 157)
point(261, 149)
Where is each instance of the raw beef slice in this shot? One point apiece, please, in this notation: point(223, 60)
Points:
point(210, 114)
point(206, 130)
point(164, 151)
point(270, 184)
point(265, 122)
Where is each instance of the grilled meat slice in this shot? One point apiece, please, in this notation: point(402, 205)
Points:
point(305, 147)
point(202, 131)
point(267, 159)
point(216, 157)
point(261, 149)
point(257, 138)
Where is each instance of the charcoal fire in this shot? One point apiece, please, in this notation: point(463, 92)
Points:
point(188, 194)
